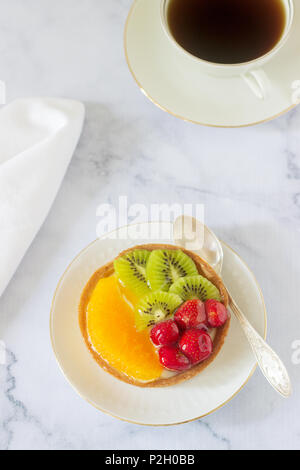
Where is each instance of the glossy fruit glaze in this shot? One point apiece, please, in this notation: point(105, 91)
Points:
point(113, 334)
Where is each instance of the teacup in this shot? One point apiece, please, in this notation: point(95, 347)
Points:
point(251, 71)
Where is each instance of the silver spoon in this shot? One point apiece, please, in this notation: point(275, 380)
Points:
point(195, 236)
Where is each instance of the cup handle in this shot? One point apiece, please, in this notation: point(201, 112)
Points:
point(258, 82)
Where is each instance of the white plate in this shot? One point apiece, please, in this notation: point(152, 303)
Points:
point(202, 395)
point(175, 84)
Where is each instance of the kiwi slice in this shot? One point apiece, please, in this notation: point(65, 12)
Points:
point(195, 287)
point(154, 308)
point(131, 271)
point(165, 267)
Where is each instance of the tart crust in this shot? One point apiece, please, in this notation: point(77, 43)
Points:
point(204, 269)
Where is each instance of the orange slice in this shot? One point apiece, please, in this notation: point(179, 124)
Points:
point(112, 331)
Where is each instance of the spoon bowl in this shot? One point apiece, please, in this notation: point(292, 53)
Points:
point(195, 236)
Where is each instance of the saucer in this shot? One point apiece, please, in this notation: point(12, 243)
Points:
point(176, 84)
point(191, 400)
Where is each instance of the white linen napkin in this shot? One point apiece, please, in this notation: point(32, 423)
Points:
point(37, 140)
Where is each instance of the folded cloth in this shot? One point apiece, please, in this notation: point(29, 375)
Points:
point(37, 140)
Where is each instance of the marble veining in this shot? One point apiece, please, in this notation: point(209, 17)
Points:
point(225, 443)
point(18, 411)
point(247, 180)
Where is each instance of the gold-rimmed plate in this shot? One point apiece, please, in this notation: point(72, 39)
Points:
point(202, 395)
point(179, 87)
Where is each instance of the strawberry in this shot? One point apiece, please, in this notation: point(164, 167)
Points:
point(191, 314)
point(196, 344)
point(172, 358)
point(216, 312)
point(165, 333)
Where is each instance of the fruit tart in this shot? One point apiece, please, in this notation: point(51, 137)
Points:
point(155, 316)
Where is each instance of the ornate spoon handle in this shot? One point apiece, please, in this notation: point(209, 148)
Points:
point(270, 364)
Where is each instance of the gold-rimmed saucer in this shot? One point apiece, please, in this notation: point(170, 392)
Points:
point(179, 87)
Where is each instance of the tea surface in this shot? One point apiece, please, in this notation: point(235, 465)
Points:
point(227, 31)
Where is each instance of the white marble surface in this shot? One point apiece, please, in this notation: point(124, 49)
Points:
point(248, 180)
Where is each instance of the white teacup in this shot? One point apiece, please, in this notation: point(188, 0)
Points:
point(251, 72)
